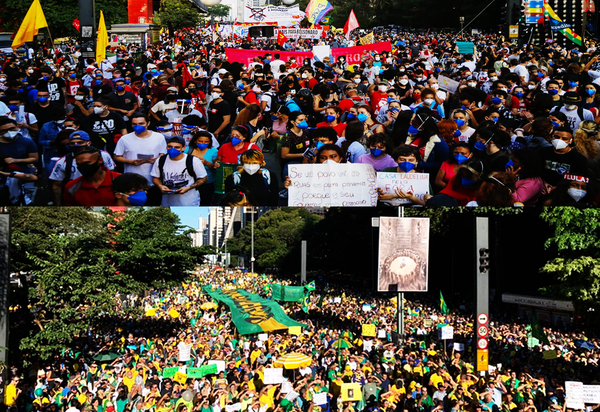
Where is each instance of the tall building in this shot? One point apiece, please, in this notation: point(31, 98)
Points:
point(200, 236)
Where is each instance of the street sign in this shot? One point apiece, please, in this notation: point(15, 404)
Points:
point(513, 31)
point(482, 331)
point(482, 318)
point(482, 360)
point(482, 343)
point(462, 19)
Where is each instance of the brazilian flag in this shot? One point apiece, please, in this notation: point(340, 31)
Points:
point(443, 306)
point(537, 331)
point(305, 301)
point(311, 286)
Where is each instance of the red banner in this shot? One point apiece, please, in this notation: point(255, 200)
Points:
point(354, 54)
point(76, 24)
point(246, 56)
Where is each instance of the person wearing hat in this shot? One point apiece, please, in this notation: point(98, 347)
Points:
point(160, 109)
point(65, 169)
point(178, 174)
point(218, 78)
point(572, 109)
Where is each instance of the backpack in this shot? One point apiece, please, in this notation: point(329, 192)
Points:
point(237, 177)
point(579, 111)
point(189, 166)
point(275, 105)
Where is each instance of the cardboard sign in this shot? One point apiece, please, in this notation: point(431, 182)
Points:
point(273, 376)
point(169, 372)
point(574, 392)
point(448, 84)
point(351, 392)
point(591, 394)
point(224, 170)
point(263, 336)
point(180, 377)
point(295, 330)
point(332, 184)
point(382, 334)
point(369, 330)
point(220, 365)
point(320, 398)
point(415, 183)
point(184, 352)
point(459, 347)
point(447, 332)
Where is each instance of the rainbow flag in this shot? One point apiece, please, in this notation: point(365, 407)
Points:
point(317, 9)
point(571, 35)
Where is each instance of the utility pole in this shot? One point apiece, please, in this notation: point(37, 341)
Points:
point(482, 292)
point(4, 287)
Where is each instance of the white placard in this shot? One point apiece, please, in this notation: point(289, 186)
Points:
point(320, 52)
point(415, 183)
point(320, 398)
point(184, 352)
point(434, 317)
point(366, 308)
point(234, 407)
point(448, 84)
point(292, 396)
point(220, 364)
point(259, 344)
point(459, 347)
point(332, 184)
point(314, 34)
point(246, 345)
point(367, 345)
point(574, 392)
point(337, 300)
point(273, 376)
point(286, 387)
point(447, 332)
point(491, 369)
point(382, 334)
point(263, 336)
point(591, 394)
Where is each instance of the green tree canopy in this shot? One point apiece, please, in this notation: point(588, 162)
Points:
point(220, 10)
point(177, 14)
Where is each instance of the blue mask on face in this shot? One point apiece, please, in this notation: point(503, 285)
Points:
point(351, 116)
point(555, 124)
point(509, 164)
point(45, 78)
point(438, 70)
point(495, 119)
point(273, 117)
point(376, 152)
point(202, 146)
point(138, 199)
point(457, 133)
point(412, 130)
point(303, 125)
point(389, 100)
point(173, 153)
point(552, 92)
point(330, 118)
point(127, 81)
point(590, 92)
point(496, 100)
point(13, 108)
point(120, 88)
point(467, 182)
point(235, 141)
point(406, 166)
point(138, 129)
point(572, 84)
point(464, 107)
point(72, 75)
point(319, 145)
point(362, 117)
point(519, 94)
point(460, 122)
point(460, 158)
point(42, 99)
point(98, 82)
point(480, 146)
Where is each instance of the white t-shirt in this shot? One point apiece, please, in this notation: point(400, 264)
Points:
point(464, 136)
point(176, 176)
point(573, 116)
point(58, 172)
point(266, 97)
point(104, 66)
point(275, 64)
point(521, 71)
point(132, 147)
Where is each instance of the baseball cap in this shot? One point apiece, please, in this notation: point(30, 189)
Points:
point(176, 139)
point(173, 89)
point(79, 134)
point(222, 71)
point(571, 97)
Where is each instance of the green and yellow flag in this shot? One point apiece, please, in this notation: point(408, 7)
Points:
point(443, 306)
point(306, 301)
point(537, 331)
point(570, 34)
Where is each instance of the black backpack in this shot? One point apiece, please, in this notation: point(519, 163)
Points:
point(189, 166)
point(275, 105)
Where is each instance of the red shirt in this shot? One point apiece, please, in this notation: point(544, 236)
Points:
point(376, 98)
point(228, 154)
point(81, 192)
point(251, 97)
point(309, 84)
point(339, 129)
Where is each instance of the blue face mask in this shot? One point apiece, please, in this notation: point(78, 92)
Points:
point(138, 199)
point(590, 92)
point(13, 108)
point(376, 152)
point(42, 99)
point(495, 119)
point(467, 182)
point(138, 129)
point(457, 133)
point(460, 158)
point(480, 145)
point(45, 78)
point(362, 117)
point(412, 130)
point(389, 100)
point(519, 94)
point(330, 118)
point(303, 125)
point(460, 122)
point(351, 116)
point(572, 84)
point(319, 145)
point(438, 70)
point(235, 141)
point(173, 153)
point(120, 88)
point(552, 92)
point(273, 117)
point(555, 124)
point(496, 100)
point(98, 82)
point(72, 75)
point(202, 146)
point(509, 164)
point(464, 107)
point(406, 166)
point(127, 81)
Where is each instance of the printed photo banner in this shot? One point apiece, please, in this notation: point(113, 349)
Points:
point(251, 313)
point(354, 54)
point(246, 56)
point(279, 14)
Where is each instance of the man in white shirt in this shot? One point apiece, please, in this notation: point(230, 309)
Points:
point(276, 65)
point(107, 69)
point(178, 175)
point(139, 150)
point(521, 70)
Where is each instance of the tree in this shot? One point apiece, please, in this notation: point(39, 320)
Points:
point(177, 14)
point(220, 10)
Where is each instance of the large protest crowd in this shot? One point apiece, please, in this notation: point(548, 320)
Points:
point(184, 124)
point(146, 362)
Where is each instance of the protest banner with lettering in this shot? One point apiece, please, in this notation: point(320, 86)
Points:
point(574, 392)
point(415, 183)
point(180, 377)
point(313, 34)
point(246, 56)
point(447, 332)
point(591, 394)
point(169, 372)
point(354, 54)
point(283, 15)
point(448, 84)
point(220, 364)
point(332, 184)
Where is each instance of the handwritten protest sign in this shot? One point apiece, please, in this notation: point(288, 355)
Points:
point(574, 392)
point(591, 394)
point(320, 398)
point(415, 183)
point(448, 84)
point(273, 376)
point(332, 184)
point(169, 372)
point(180, 377)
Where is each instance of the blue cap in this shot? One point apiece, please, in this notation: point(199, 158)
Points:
point(176, 139)
point(79, 134)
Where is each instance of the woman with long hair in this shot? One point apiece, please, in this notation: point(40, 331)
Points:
point(585, 141)
point(249, 116)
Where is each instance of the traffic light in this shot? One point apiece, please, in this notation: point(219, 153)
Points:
point(484, 260)
point(503, 14)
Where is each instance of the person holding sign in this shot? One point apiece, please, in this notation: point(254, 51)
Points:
point(408, 158)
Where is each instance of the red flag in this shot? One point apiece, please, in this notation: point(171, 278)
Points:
point(351, 24)
point(76, 24)
point(281, 39)
point(185, 73)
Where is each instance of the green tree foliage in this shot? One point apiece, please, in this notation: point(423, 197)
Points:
point(575, 269)
point(177, 14)
point(220, 10)
point(60, 14)
point(277, 235)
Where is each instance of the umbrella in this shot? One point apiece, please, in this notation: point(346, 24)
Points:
point(293, 360)
point(341, 343)
point(106, 357)
point(208, 305)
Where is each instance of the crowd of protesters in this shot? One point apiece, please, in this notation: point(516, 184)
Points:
point(160, 126)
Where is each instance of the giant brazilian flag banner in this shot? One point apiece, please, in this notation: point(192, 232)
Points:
point(287, 293)
point(251, 313)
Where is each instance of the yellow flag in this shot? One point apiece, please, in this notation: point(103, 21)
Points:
point(34, 20)
point(102, 40)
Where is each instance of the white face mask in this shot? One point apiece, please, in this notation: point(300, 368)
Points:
point(576, 194)
point(493, 78)
point(11, 134)
point(357, 81)
point(30, 71)
point(419, 78)
point(503, 89)
point(428, 102)
point(78, 97)
point(435, 86)
point(383, 89)
point(304, 76)
point(570, 107)
point(98, 110)
point(215, 95)
point(403, 82)
point(251, 169)
point(531, 86)
point(559, 144)
point(472, 84)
